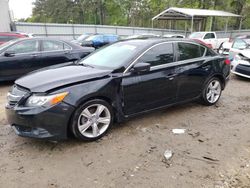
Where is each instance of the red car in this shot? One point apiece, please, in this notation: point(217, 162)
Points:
point(5, 37)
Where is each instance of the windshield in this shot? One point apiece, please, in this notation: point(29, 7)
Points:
point(93, 37)
point(82, 37)
point(248, 42)
point(133, 37)
point(142, 36)
point(196, 35)
point(112, 57)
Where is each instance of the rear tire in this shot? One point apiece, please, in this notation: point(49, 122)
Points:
point(92, 120)
point(211, 92)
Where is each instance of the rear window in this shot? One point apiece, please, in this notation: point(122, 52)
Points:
point(48, 45)
point(209, 36)
point(5, 38)
point(196, 35)
point(210, 52)
point(95, 38)
point(110, 38)
point(189, 51)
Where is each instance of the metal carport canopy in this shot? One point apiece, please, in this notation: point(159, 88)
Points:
point(174, 13)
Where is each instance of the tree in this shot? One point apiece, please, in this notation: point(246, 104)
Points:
point(131, 12)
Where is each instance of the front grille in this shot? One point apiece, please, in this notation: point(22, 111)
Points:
point(15, 95)
point(243, 69)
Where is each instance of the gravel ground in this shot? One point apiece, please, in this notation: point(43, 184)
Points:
point(213, 152)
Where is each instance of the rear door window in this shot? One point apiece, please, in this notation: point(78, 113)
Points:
point(159, 55)
point(189, 51)
point(50, 45)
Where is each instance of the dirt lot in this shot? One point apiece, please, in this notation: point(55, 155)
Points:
point(214, 151)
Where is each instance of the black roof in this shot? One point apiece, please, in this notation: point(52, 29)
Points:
point(152, 41)
point(41, 38)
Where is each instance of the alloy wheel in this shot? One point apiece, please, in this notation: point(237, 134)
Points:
point(94, 120)
point(213, 91)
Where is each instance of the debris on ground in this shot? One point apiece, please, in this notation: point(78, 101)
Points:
point(178, 131)
point(89, 164)
point(144, 130)
point(210, 159)
point(194, 134)
point(152, 148)
point(168, 154)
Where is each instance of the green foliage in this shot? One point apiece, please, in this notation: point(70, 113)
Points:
point(131, 12)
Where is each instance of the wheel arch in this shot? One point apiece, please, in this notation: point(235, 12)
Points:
point(221, 78)
point(82, 101)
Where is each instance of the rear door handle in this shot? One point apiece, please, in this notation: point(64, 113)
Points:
point(67, 52)
point(206, 67)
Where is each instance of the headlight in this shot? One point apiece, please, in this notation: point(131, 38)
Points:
point(37, 100)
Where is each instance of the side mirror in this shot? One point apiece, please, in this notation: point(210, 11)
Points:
point(9, 54)
point(141, 67)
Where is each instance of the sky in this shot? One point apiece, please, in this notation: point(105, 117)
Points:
point(21, 8)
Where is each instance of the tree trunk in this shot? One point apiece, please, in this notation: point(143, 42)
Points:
point(214, 19)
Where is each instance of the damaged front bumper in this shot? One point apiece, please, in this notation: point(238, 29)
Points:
point(43, 123)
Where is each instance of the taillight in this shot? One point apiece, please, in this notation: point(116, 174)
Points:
point(227, 62)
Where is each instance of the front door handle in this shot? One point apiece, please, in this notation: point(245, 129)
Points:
point(171, 76)
point(34, 55)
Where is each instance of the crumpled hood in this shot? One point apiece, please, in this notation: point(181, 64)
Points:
point(54, 77)
point(245, 53)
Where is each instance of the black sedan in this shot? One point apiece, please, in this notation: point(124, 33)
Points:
point(21, 56)
point(114, 83)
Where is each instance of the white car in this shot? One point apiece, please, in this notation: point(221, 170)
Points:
point(240, 56)
point(210, 38)
point(30, 35)
point(143, 35)
point(226, 46)
point(173, 36)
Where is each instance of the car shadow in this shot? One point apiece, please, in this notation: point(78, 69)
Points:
point(164, 112)
point(242, 78)
point(6, 83)
point(57, 146)
point(71, 142)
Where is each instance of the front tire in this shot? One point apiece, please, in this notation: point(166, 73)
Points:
point(212, 91)
point(92, 120)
